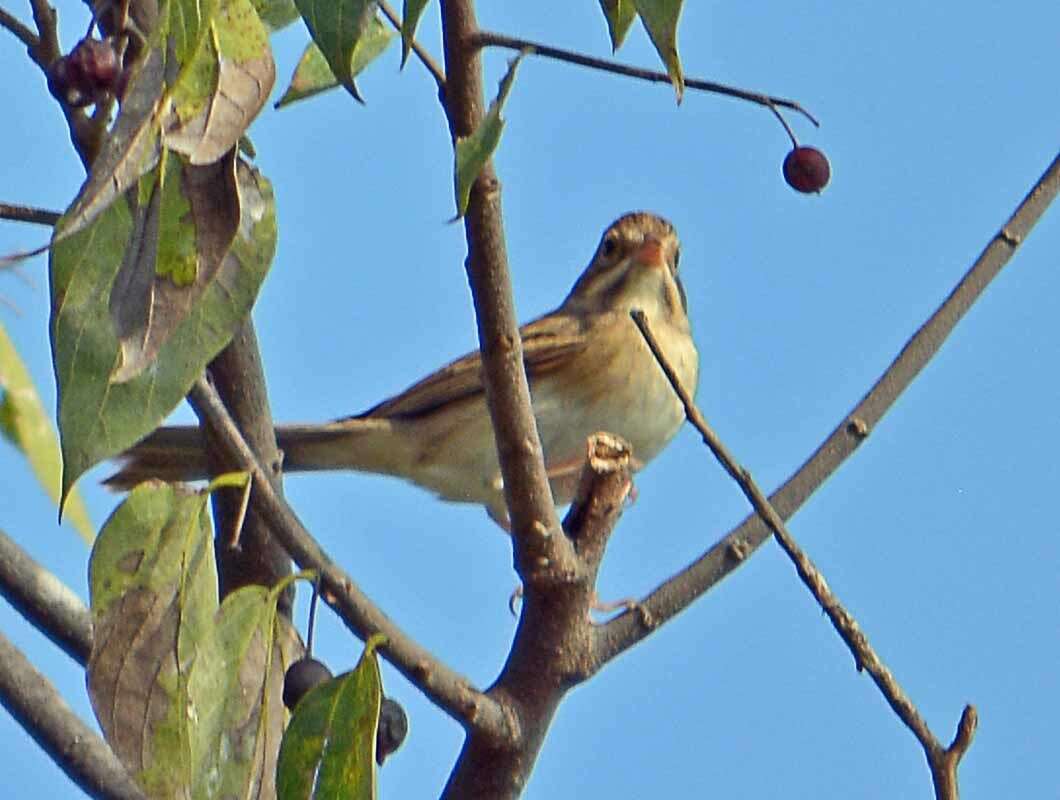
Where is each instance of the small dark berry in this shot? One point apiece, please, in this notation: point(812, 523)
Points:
point(393, 727)
point(93, 66)
point(59, 84)
point(806, 170)
point(303, 675)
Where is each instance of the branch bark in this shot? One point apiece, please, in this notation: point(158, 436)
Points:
point(76, 748)
point(49, 604)
point(258, 558)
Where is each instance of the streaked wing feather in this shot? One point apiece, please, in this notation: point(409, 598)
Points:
point(548, 343)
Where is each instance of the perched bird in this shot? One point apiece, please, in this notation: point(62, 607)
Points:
point(589, 370)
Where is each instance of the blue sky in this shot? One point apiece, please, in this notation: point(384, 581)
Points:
point(939, 533)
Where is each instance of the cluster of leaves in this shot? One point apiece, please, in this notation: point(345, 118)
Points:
point(188, 691)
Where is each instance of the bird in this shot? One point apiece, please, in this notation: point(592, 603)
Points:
point(588, 366)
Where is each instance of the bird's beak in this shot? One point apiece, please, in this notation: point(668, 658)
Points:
point(650, 253)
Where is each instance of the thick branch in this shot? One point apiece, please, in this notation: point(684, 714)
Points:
point(681, 590)
point(553, 648)
point(49, 604)
point(539, 552)
point(490, 39)
point(76, 748)
point(240, 380)
point(449, 690)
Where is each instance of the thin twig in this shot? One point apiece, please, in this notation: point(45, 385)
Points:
point(39, 216)
point(449, 690)
point(23, 33)
point(846, 626)
point(421, 53)
point(491, 39)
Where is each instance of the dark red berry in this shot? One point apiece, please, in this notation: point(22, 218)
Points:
point(806, 170)
point(303, 675)
point(392, 729)
point(59, 84)
point(93, 66)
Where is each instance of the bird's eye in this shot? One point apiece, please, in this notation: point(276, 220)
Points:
point(609, 246)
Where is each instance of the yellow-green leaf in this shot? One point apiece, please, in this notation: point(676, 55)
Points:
point(328, 750)
point(24, 423)
point(411, 12)
point(336, 26)
point(620, 15)
point(153, 589)
point(314, 75)
point(472, 152)
point(660, 17)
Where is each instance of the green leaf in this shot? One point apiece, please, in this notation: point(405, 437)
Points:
point(336, 26)
point(276, 14)
point(189, 695)
point(411, 12)
point(25, 424)
point(235, 689)
point(620, 15)
point(660, 18)
point(328, 750)
point(472, 152)
point(153, 589)
point(313, 74)
point(99, 416)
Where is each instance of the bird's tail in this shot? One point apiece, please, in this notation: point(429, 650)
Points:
point(178, 453)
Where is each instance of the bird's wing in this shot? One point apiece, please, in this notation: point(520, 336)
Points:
point(548, 343)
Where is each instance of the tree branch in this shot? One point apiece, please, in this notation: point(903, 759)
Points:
point(491, 39)
point(541, 556)
point(553, 647)
point(238, 375)
point(21, 32)
point(49, 604)
point(39, 216)
point(942, 762)
point(34, 702)
point(682, 589)
point(446, 688)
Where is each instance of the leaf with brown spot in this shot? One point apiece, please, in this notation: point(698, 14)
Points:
point(223, 91)
point(153, 585)
point(236, 692)
point(181, 236)
point(99, 417)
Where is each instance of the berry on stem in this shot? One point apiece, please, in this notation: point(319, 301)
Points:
point(303, 675)
point(806, 170)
